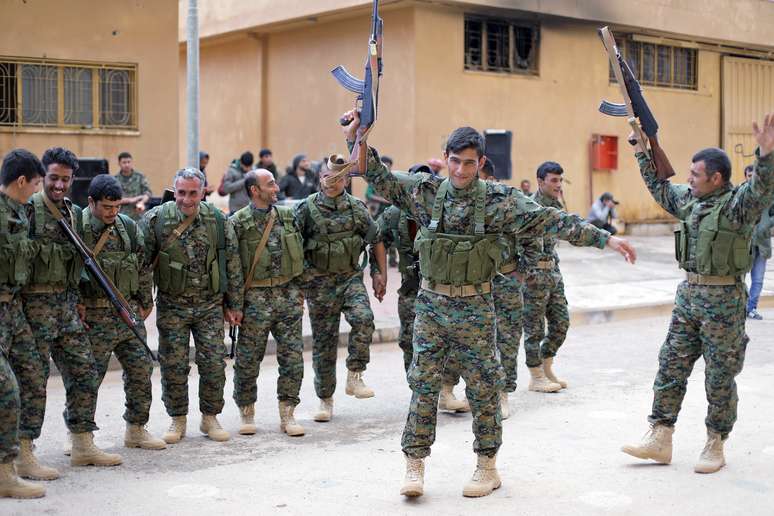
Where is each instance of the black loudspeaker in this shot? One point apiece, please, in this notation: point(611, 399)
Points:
point(498, 149)
point(88, 169)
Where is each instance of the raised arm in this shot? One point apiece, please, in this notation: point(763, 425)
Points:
point(670, 197)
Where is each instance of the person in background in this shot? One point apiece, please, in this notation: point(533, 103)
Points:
point(436, 165)
point(487, 172)
point(300, 181)
point(204, 160)
point(526, 187)
point(761, 248)
point(266, 161)
point(234, 182)
point(135, 185)
point(603, 212)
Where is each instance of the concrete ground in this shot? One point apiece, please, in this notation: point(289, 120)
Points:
point(560, 454)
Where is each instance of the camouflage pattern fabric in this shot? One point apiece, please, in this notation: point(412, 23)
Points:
point(328, 296)
point(465, 326)
point(277, 310)
point(407, 299)
point(133, 185)
point(9, 408)
point(708, 320)
point(195, 311)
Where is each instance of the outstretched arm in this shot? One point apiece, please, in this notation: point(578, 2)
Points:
point(670, 197)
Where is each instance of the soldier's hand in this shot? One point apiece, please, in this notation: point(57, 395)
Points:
point(350, 130)
point(233, 317)
point(379, 284)
point(145, 312)
point(623, 247)
point(765, 135)
point(82, 315)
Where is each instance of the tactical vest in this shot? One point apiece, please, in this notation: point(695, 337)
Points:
point(172, 274)
point(458, 259)
point(16, 252)
point(121, 267)
point(405, 236)
point(55, 264)
point(337, 252)
point(292, 261)
point(721, 250)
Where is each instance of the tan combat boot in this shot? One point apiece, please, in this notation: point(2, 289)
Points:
point(136, 436)
point(176, 430)
point(414, 483)
point(68, 445)
point(447, 400)
point(86, 454)
point(656, 445)
point(325, 412)
point(547, 369)
point(11, 486)
point(711, 458)
point(505, 410)
point(247, 416)
point(27, 465)
point(356, 387)
point(212, 429)
point(485, 478)
point(539, 382)
point(288, 421)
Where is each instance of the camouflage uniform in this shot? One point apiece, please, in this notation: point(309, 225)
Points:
point(16, 251)
point(331, 293)
point(708, 320)
point(133, 185)
point(398, 230)
point(50, 307)
point(121, 258)
point(196, 276)
point(274, 303)
point(464, 325)
point(544, 301)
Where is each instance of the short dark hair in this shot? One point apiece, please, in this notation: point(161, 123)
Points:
point(20, 162)
point(748, 169)
point(251, 179)
point(247, 159)
point(489, 167)
point(124, 155)
point(465, 138)
point(264, 152)
point(417, 168)
point(60, 156)
point(203, 154)
point(386, 159)
point(105, 186)
point(715, 160)
point(549, 167)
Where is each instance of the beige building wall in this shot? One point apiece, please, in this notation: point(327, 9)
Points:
point(123, 31)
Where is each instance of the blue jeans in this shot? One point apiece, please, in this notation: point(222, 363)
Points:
point(756, 278)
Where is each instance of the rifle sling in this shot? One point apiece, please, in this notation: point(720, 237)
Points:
point(259, 250)
point(54, 210)
point(103, 238)
point(176, 233)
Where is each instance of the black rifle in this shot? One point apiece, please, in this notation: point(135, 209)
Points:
point(367, 90)
point(634, 108)
point(118, 301)
point(233, 334)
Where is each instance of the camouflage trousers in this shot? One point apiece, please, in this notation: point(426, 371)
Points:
point(507, 294)
point(465, 327)
point(57, 330)
point(407, 298)
point(328, 296)
point(108, 334)
point(277, 310)
point(546, 318)
point(707, 321)
point(177, 319)
point(9, 388)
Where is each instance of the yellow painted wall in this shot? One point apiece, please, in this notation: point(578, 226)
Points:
point(554, 115)
point(145, 33)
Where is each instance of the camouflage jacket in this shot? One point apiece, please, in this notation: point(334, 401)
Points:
point(743, 209)
point(535, 250)
point(273, 244)
point(133, 185)
point(17, 226)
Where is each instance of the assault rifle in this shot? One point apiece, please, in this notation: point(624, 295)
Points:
point(367, 100)
point(113, 294)
point(635, 109)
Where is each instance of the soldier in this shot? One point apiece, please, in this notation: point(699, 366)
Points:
point(119, 247)
point(460, 247)
point(137, 191)
point(194, 253)
point(271, 251)
point(52, 304)
point(20, 177)
point(713, 246)
point(336, 228)
point(546, 318)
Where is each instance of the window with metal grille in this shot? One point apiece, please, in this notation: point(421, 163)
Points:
point(660, 65)
point(502, 46)
point(59, 94)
